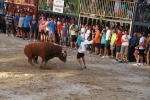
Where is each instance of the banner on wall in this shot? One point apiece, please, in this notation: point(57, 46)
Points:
point(23, 2)
point(70, 7)
point(58, 6)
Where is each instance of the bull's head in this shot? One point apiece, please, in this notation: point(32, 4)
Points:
point(63, 56)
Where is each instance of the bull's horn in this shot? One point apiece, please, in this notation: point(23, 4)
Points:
point(63, 52)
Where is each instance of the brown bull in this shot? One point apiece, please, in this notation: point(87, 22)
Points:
point(45, 50)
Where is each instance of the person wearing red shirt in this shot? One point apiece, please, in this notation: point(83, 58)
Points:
point(59, 27)
point(118, 44)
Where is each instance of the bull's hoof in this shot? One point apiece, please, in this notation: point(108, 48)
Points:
point(36, 62)
point(42, 67)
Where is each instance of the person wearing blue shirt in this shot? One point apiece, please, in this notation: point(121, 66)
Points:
point(26, 28)
point(80, 55)
point(17, 18)
point(132, 45)
point(103, 41)
point(52, 28)
point(16, 23)
point(33, 27)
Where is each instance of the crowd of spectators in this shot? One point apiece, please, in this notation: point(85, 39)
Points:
point(108, 42)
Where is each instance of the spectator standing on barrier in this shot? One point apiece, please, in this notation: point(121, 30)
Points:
point(97, 40)
point(118, 44)
point(20, 28)
point(64, 34)
point(103, 41)
point(33, 28)
point(124, 47)
point(141, 48)
point(107, 45)
point(26, 28)
point(9, 24)
point(132, 45)
point(116, 8)
point(92, 5)
point(113, 42)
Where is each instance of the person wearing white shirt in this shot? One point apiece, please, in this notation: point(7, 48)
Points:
point(83, 32)
point(108, 36)
point(20, 23)
point(124, 47)
point(141, 50)
point(87, 34)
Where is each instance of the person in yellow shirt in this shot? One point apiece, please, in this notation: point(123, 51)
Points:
point(113, 42)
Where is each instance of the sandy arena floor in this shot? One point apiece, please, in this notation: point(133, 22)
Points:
point(104, 79)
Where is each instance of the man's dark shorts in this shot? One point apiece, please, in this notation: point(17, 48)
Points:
point(118, 48)
point(26, 29)
point(20, 28)
point(97, 45)
point(80, 55)
point(102, 46)
point(33, 31)
point(47, 32)
point(107, 44)
point(141, 52)
point(43, 32)
point(9, 26)
point(73, 38)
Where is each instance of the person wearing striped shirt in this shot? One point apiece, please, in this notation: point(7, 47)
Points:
point(9, 24)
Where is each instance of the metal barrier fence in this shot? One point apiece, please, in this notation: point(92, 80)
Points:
point(143, 13)
point(108, 8)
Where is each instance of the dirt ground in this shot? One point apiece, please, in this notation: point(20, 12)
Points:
point(104, 79)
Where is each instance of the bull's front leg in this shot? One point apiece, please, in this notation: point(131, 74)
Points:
point(43, 63)
point(35, 60)
point(30, 61)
